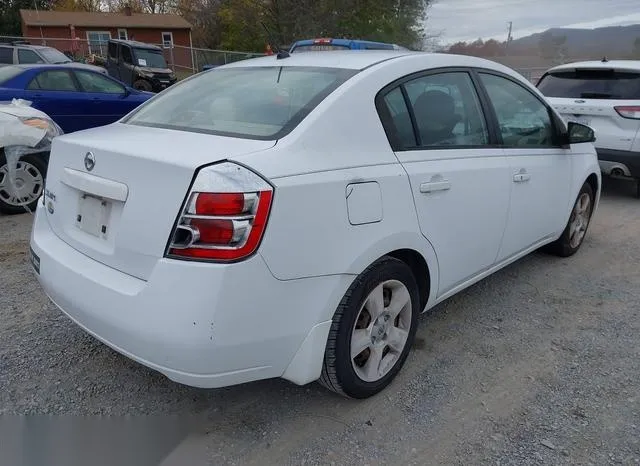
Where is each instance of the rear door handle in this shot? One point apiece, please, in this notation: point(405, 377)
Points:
point(432, 186)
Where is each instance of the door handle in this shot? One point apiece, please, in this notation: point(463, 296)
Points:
point(432, 186)
point(521, 177)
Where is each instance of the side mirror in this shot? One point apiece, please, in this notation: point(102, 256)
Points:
point(579, 134)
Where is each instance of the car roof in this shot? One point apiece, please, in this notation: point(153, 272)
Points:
point(136, 44)
point(361, 59)
point(626, 65)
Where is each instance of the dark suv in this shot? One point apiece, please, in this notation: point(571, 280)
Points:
point(139, 65)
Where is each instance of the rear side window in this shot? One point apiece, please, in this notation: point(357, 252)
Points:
point(53, 80)
point(254, 102)
point(6, 55)
point(126, 55)
point(26, 56)
point(592, 84)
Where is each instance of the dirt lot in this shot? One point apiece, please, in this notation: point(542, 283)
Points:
point(539, 364)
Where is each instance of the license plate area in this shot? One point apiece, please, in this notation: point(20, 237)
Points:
point(93, 215)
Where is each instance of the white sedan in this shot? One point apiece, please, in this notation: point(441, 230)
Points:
point(291, 216)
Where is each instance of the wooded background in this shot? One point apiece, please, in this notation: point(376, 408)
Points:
point(236, 24)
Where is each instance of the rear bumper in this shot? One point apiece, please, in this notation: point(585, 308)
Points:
point(628, 161)
point(204, 325)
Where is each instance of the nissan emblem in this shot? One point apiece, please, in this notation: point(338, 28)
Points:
point(89, 161)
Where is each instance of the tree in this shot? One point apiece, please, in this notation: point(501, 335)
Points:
point(77, 5)
point(10, 22)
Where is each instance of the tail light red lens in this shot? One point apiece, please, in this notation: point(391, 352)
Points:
point(225, 215)
point(632, 112)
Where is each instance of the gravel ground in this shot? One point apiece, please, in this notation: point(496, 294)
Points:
point(538, 364)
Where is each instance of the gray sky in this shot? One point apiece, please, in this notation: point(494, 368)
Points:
point(470, 19)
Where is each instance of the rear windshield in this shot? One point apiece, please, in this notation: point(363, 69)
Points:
point(54, 55)
point(253, 102)
point(318, 48)
point(9, 72)
point(592, 84)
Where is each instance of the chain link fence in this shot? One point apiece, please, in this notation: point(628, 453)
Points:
point(183, 60)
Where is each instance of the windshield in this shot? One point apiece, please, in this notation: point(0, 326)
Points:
point(54, 56)
point(149, 58)
point(254, 102)
point(591, 84)
point(9, 72)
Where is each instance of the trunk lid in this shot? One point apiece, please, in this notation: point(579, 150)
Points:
point(122, 210)
point(612, 130)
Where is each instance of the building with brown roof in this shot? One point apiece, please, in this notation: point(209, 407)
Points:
point(88, 32)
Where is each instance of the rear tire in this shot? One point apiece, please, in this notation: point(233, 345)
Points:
point(142, 85)
point(34, 169)
point(574, 233)
point(372, 331)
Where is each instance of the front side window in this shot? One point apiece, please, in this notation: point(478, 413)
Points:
point(592, 84)
point(53, 80)
point(94, 82)
point(524, 120)
point(447, 110)
point(254, 102)
point(28, 57)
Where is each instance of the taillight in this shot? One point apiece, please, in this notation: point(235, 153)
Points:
point(632, 112)
point(225, 215)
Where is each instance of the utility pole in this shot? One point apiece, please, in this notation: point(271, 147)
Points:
point(509, 37)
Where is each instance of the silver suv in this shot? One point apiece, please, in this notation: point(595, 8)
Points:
point(604, 95)
point(19, 52)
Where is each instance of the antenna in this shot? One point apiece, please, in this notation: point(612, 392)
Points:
point(280, 54)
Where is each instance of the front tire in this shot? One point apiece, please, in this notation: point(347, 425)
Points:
point(30, 176)
point(574, 233)
point(372, 331)
point(142, 85)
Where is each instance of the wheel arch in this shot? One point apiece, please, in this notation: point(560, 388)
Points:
point(414, 250)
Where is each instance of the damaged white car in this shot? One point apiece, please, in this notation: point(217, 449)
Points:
point(25, 142)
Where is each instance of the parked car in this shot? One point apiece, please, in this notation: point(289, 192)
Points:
point(74, 98)
point(25, 142)
point(606, 96)
point(292, 217)
point(324, 44)
point(139, 65)
point(21, 53)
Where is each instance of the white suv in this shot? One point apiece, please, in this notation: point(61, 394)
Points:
point(604, 95)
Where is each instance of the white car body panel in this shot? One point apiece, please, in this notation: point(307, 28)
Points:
point(212, 325)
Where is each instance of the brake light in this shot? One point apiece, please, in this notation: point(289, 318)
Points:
point(225, 215)
point(632, 112)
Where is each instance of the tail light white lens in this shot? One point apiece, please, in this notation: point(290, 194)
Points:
point(632, 112)
point(224, 217)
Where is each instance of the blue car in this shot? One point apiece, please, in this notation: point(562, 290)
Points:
point(313, 45)
point(74, 98)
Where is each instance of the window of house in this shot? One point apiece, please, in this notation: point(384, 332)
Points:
point(122, 34)
point(98, 41)
point(167, 40)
